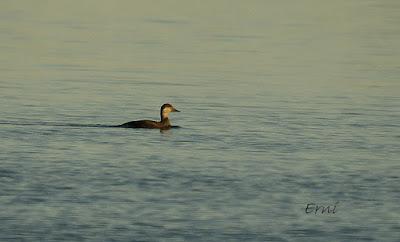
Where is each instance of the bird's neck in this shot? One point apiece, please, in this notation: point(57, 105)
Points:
point(165, 121)
point(164, 115)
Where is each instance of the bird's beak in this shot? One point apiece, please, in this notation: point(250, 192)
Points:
point(175, 110)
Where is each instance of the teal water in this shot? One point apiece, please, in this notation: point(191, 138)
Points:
point(282, 104)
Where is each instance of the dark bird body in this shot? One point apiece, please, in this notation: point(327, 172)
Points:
point(163, 124)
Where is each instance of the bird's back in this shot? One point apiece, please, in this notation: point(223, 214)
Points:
point(146, 124)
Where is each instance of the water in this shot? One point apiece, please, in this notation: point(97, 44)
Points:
point(283, 104)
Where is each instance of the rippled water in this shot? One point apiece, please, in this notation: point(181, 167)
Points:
point(283, 104)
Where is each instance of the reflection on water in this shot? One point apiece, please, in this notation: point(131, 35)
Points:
point(283, 105)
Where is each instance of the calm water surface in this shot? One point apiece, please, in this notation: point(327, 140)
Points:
point(283, 103)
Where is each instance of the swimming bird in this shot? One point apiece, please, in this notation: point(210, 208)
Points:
point(150, 124)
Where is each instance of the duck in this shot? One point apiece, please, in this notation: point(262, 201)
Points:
point(163, 124)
